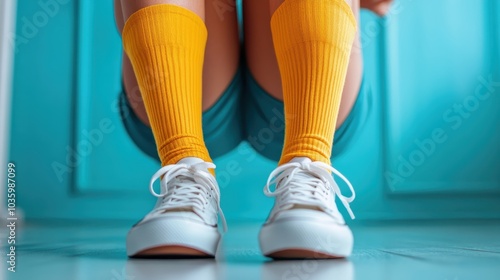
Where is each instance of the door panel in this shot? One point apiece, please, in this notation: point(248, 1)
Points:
point(75, 161)
point(100, 135)
point(442, 100)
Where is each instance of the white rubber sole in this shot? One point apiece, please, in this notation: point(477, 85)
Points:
point(318, 237)
point(172, 231)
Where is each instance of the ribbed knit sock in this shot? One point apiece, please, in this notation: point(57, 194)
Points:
point(166, 45)
point(313, 41)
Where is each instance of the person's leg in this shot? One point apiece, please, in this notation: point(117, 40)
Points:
point(222, 86)
point(312, 40)
point(166, 42)
point(261, 57)
point(222, 54)
point(221, 58)
point(168, 62)
point(313, 54)
point(130, 85)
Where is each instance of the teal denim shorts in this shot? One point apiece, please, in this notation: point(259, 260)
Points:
point(222, 123)
point(264, 120)
point(245, 112)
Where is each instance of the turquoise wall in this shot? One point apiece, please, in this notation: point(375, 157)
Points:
point(429, 149)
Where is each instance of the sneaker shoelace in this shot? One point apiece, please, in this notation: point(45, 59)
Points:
point(307, 183)
point(187, 186)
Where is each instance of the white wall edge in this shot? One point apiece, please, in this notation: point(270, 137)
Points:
point(7, 29)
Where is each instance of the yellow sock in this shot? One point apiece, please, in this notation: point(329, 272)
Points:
point(166, 44)
point(313, 41)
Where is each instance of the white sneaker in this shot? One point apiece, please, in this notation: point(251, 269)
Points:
point(305, 222)
point(184, 219)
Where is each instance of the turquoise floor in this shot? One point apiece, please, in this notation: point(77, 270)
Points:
point(442, 250)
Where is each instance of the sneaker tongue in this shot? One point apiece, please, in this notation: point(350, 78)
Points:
point(185, 210)
point(301, 160)
point(190, 160)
